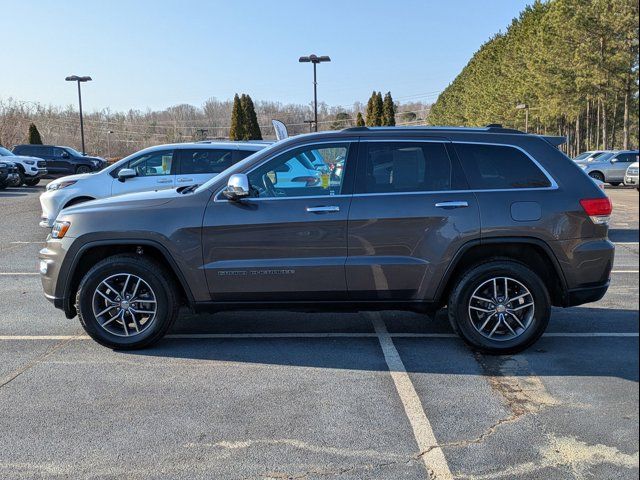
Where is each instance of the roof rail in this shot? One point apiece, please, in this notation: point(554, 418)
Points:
point(493, 127)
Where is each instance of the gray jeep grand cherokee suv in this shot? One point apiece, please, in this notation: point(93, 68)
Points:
point(493, 223)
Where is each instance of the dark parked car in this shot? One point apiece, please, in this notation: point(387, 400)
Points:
point(9, 174)
point(496, 224)
point(62, 160)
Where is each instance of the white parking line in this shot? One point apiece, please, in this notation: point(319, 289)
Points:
point(431, 454)
point(232, 336)
point(10, 274)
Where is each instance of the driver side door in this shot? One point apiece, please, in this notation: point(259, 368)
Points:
point(288, 242)
point(154, 171)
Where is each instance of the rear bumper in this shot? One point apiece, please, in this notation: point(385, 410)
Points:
point(579, 296)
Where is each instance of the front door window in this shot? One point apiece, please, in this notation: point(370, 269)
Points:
point(306, 171)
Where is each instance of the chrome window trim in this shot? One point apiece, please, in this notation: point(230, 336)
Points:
point(216, 197)
point(553, 186)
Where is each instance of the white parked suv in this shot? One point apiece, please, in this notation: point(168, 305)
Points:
point(154, 168)
point(30, 169)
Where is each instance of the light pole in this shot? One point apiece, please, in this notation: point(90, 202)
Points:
point(109, 132)
point(525, 107)
point(76, 78)
point(310, 122)
point(315, 60)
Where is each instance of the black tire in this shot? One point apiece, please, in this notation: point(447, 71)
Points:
point(458, 306)
point(22, 177)
point(155, 275)
point(31, 182)
point(615, 184)
point(597, 176)
point(83, 169)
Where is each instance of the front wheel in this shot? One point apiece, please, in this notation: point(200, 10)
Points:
point(615, 184)
point(31, 182)
point(499, 307)
point(127, 302)
point(83, 169)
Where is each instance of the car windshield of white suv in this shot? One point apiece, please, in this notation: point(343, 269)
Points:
point(238, 166)
point(6, 153)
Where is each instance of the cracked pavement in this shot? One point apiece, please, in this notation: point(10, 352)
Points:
point(306, 406)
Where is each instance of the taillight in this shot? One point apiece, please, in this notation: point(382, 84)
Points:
point(598, 209)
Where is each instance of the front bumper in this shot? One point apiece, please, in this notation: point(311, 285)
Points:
point(631, 180)
point(34, 172)
point(51, 260)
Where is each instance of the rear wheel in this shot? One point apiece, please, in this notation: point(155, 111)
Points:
point(499, 307)
point(127, 302)
point(597, 176)
point(83, 169)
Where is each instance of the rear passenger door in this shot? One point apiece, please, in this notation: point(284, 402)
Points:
point(411, 211)
point(197, 165)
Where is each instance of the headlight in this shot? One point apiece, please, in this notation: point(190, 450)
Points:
point(58, 185)
point(30, 162)
point(60, 229)
point(96, 163)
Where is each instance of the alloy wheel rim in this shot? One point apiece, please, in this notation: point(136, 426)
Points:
point(124, 305)
point(501, 309)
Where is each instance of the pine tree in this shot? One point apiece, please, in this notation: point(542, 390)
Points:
point(378, 107)
point(359, 120)
point(370, 113)
point(34, 135)
point(251, 127)
point(236, 132)
point(388, 111)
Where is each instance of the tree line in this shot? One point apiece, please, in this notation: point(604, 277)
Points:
point(571, 66)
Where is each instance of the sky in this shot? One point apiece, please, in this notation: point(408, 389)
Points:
point(154, 54)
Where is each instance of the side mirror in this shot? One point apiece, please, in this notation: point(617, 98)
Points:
point(125, 173)
point(237, 187)
point(614, 160)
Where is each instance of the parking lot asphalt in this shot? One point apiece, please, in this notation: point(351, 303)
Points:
point(275, 395)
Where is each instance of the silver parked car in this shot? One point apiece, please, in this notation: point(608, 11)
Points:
point(609, 167)
point(631, 177)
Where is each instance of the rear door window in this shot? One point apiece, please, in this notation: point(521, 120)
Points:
point(499, 167)
point(201, 161)
point(406, 167)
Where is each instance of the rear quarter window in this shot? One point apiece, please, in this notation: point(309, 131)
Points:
point(497, 167)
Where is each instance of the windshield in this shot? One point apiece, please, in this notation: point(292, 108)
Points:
point(584, 155)
point(73, 152)
point(234, 168)
point(6, 153)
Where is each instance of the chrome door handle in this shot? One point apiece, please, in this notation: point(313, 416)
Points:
point(165, 180)
point(323, 209)
point(185, 179)
point(452, 204)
